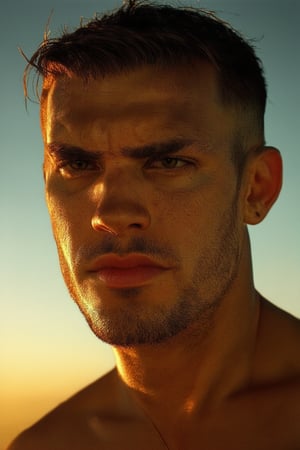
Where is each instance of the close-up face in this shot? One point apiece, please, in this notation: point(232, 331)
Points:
point(143, 198)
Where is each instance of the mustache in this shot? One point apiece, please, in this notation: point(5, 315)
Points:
point(111, 244)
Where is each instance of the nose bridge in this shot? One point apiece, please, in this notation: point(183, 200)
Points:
point(120, 201)
point(119, 184)
point(119, 175)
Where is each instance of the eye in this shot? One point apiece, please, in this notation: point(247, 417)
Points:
point(169, 163)
point(77, 167)
point(80, 164)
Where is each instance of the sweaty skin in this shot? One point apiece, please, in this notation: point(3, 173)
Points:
point(140, 164)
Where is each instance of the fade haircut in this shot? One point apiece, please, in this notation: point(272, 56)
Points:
point(142, 33)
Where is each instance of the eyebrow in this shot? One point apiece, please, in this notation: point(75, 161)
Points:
point(157, 148)
point(61, 150)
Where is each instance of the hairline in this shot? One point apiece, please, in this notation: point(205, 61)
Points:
point(241, 139)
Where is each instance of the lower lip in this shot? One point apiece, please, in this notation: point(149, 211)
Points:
point(127, 278)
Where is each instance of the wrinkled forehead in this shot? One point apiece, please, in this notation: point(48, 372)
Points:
point(157, 83)
point(184, 95)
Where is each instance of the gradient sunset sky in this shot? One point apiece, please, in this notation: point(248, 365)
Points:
point(47, 351)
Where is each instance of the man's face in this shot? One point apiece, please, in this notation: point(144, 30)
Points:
point(142, 194)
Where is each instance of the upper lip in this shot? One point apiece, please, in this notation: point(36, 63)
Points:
point(131, 261)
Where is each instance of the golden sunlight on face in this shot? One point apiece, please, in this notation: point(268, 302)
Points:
point(142, 195)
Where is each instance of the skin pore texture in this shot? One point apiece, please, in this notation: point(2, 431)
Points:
point(139, 165)
point(199, 252)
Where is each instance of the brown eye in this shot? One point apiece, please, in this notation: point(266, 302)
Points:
point(77, 167)
point(80, 164)
point(169, 163)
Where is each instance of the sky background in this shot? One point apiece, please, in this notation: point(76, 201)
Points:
point(47, 351)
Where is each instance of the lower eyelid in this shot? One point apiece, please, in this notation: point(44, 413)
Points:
point(68, 164)
point(182, 162)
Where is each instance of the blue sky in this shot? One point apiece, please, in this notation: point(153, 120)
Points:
point(46, 349)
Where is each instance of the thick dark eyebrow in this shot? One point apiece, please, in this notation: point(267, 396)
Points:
point(158, 149)
point(65, 151)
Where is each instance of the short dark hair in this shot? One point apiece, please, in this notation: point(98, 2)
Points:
point(142, 33)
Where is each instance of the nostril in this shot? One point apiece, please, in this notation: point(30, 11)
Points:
point(136, 225)
point(116, 214)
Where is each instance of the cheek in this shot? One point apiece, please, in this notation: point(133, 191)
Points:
point(183, 222)
point(193, 221)
point(185, 212)
point(67, 224)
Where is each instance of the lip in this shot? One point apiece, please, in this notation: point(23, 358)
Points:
point(126, 271)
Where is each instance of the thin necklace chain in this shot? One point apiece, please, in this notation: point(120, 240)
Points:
point(153, 426)
point(157, 432)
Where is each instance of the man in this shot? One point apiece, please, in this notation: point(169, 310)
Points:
point(155, 163)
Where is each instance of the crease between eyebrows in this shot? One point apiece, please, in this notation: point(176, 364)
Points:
point(139, 152)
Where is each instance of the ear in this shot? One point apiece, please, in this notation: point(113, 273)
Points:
point(264, 183)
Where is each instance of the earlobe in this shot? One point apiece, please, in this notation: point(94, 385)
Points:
point(264, 183)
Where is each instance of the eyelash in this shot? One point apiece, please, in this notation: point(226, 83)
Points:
point(182, 162)
point(65, 165)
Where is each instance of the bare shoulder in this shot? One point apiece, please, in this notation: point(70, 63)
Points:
point(263, 417)
point(277, 316)
point(278, 344)
point(281, 326)
point(71, 423)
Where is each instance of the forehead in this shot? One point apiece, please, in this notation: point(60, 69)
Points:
point(185, 99)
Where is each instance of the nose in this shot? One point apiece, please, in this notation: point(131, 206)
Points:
point(121, 206)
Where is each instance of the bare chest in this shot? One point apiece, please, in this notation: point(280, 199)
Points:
point(259, 421)
point(250, 430)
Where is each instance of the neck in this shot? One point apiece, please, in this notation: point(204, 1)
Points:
point(191, 372)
